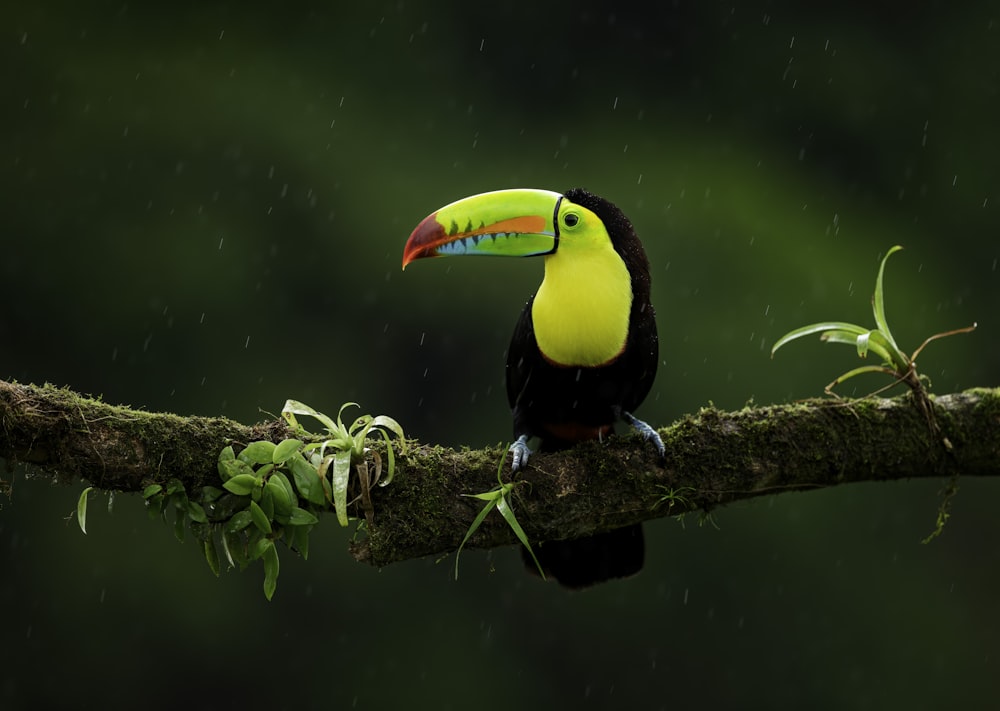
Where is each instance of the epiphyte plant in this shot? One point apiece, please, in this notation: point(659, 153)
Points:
point(880, 341)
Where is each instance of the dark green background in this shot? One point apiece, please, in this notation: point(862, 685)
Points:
point(204, 208)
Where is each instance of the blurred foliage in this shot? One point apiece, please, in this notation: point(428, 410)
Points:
point(190, 187)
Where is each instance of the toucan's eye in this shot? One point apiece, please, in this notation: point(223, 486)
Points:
point(571, 219)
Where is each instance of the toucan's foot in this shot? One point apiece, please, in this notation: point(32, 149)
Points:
point(647, 432)
point(520, 453)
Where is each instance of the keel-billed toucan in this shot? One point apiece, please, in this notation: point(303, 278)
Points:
point(584, 352)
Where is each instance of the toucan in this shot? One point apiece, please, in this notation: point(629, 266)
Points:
point(584, 351)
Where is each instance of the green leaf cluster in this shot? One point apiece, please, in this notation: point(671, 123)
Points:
point(878, 340)
point(341, 447)
point(271, 492)
point(268, 508)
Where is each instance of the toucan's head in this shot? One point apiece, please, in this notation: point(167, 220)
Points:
point(512, 223)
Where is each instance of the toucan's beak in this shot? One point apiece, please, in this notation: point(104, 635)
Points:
point(506, 223)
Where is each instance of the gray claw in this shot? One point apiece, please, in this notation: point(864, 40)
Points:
point(647, 432)
point(520, 453)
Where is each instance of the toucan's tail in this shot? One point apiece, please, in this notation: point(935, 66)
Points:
point(583, 562)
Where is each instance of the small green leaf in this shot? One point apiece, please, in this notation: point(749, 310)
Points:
point(339, 478)
point(862, 343)
point(201, 531)
point(196, 512)
point(359, 430)
point(212, 556)
point(299, 540)
point(260, 452)
point(294, 407)
point(233, 467)
point(151, 490)
point(235, 550)
point(260, 519)
point(280, 477)
point(817, 328)
point(210, 494)
point(282, 504)
point(850, 338)
point(340, 414)
point(508, 513)
point(486, 495)
point(307, 480)
point(158, 506)
point(81, 509)
point(878, 301)
point(175, 486)
point(179, 501)
point(476, 522)
point(842, 336)
point(257, 544)
point(239, 521)
point(301, 517)
point(241, 484)
point(271, 567)
point(883, 344)
point(180, 519)
point(388, 423)
point(225, 457)
point(285, 450)
point(266, 502)
point(859, 371)
point(392, 458)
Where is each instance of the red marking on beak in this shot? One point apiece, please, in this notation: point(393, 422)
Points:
point(430, 234)
point(424, 239)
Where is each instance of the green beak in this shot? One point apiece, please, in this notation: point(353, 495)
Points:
point(504, 223)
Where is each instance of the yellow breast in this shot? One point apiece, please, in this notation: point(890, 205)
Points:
point(581, 311)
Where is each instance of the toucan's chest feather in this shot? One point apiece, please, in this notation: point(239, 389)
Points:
point(581, 312)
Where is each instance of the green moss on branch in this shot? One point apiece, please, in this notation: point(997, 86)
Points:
point(713, 458)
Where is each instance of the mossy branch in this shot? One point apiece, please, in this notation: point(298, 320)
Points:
point(713, 458)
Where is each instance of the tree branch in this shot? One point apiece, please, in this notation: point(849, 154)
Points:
point(713, 458)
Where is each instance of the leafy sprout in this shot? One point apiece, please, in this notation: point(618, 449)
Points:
point(878, 340)
point(497, 498)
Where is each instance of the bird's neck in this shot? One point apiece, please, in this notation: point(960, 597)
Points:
point(581, 311)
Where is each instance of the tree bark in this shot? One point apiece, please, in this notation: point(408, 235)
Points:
point(713, 458)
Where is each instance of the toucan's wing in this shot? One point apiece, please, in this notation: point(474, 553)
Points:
point(641, 356)
point(521, 357)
